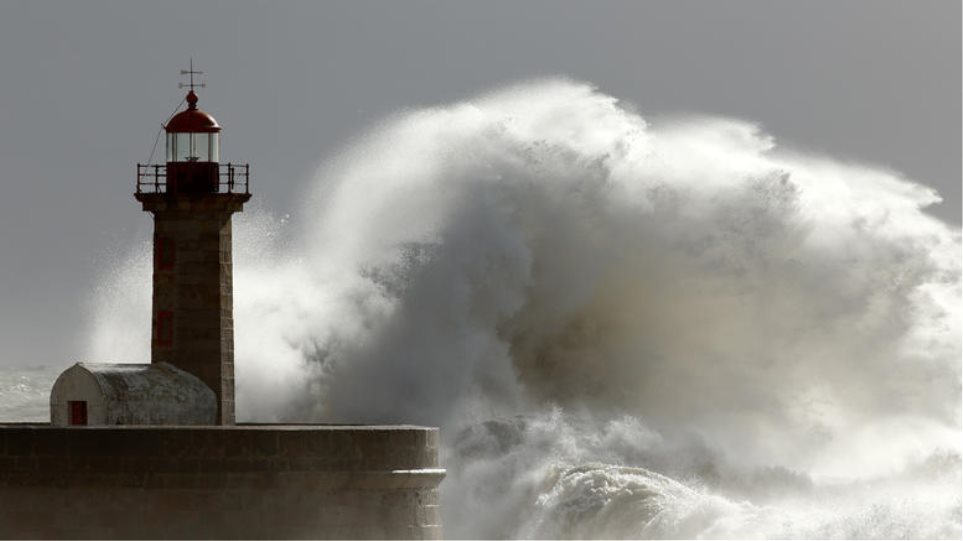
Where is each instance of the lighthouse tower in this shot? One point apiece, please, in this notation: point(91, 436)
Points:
point(192, 198)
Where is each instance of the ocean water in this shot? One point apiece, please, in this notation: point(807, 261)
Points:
point(25, 392)
point(626, 327)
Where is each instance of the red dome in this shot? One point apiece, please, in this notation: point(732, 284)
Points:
point(192, 119)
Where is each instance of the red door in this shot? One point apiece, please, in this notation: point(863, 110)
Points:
point(78, 412)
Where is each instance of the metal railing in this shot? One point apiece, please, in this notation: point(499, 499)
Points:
point(231, 178)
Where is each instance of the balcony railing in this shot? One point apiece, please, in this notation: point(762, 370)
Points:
point(231, 178)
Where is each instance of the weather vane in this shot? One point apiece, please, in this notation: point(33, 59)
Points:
point(191, 73)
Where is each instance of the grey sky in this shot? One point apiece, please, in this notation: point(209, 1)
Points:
point(84, 87)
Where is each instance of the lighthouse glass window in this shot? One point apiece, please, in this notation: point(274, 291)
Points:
point(193, 147)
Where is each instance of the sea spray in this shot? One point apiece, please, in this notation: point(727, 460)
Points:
point(623, 329)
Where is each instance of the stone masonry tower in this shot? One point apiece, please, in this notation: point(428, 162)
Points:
point(192, 198)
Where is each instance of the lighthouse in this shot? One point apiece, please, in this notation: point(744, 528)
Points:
point(192, 198)
point(150, 450)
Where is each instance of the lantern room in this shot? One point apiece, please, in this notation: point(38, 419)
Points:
point(193, 150)
point(193, 135)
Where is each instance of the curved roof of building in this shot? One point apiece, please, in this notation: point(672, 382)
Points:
point(144, 382)
point(192, 119)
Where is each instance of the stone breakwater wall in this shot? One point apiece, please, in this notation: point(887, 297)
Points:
point(240, 482)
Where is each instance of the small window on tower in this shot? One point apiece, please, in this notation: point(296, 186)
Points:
point(182, 147)
point(163, 253)
point(215, 147)
point(164, 328)
point(170, 147)
point(77, 410)
point(201, 151)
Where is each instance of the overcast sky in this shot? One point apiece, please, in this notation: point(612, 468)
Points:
point(84, 87)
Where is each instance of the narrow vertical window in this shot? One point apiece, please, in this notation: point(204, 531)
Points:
point(215, 147)
point(202, 151)
point(77, 410)
point(163, 252)
point(164, 328)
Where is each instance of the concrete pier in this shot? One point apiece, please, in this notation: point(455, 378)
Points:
point(243, 481)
